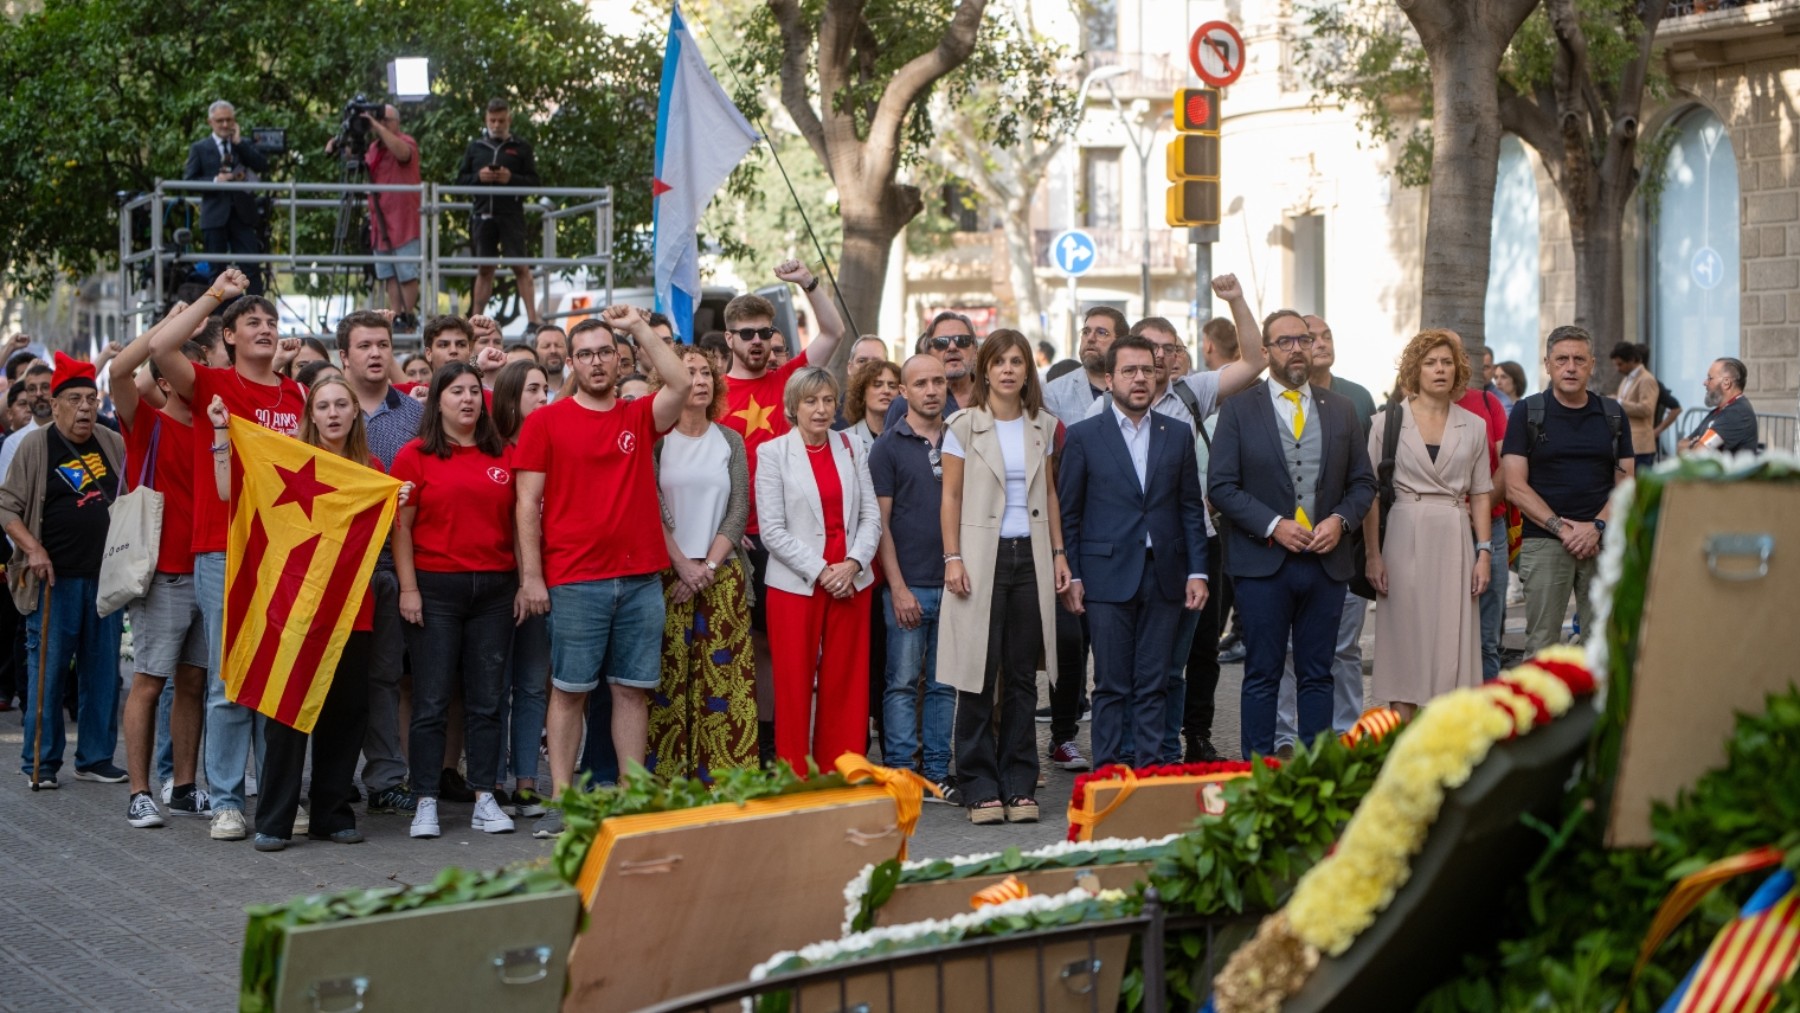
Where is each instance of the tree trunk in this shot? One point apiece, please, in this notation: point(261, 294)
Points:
point(873, 216)
point(1465, 156)
point(1021, 264)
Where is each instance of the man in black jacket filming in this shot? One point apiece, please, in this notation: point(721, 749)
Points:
point(228, 219)
point(497, 158)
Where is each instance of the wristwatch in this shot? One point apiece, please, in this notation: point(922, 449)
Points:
point(1481, 547)
point(809, 286)
point(710, 565)
point(1599, 525)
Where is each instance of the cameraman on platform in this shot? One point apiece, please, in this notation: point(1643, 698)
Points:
point(497, 158)
point(228, 220)
point(393, 158)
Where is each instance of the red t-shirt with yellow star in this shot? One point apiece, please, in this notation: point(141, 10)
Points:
point(754, 409)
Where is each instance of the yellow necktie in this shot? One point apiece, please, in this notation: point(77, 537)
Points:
point(1299, 427)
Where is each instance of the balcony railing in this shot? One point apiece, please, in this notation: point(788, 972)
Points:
point(1682, 8)
point(1121, 251)
point(1152, 74)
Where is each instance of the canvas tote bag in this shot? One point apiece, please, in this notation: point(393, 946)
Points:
point(133, 536)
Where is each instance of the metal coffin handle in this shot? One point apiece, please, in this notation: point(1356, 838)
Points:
point(526, 965)
point(340, 995)
point(1758, 547)
point(1084, 969)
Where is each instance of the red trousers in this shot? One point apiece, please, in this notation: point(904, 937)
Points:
point(818, 638)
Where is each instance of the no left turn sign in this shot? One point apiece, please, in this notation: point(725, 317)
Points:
point(1217, 53)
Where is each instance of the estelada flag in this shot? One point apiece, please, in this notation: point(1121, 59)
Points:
point(306, 526)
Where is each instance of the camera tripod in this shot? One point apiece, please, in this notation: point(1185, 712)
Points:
point(351, 234)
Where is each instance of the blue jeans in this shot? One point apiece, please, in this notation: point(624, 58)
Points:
point(912, 656)
point(1301, 603)
point(609, 629)
point(1493, 603)
point(231, 729)
point(529, 687)
point(72, 630)
point(165, 747)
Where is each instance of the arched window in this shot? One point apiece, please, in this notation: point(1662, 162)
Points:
point(1694, 256)
point(1513, 275)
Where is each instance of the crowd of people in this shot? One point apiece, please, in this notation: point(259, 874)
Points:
point(696, 557)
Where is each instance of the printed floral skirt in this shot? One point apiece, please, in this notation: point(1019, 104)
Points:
point(703, 714)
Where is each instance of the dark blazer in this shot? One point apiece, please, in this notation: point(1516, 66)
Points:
point(217, 210)
point(1248, 479)
point(1105, 514)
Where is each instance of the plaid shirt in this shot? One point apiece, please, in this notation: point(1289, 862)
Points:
point(393, 425)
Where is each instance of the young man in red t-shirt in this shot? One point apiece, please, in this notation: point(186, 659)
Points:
point(251, 389)
point(168, 630)
point(1486, 405)
point(590, 540)
point(753, 398)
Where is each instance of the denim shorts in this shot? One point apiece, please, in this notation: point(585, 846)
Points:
point(405, 270)
point(607, 628)
point(167, 628)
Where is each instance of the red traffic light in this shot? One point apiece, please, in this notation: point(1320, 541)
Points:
point(1197, 110)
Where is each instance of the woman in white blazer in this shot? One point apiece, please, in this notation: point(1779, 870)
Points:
point(822, 526)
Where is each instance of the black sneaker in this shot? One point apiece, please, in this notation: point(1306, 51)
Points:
point(1231, 652)
point(1200, 750)
point(548, 825)
point(391, 801)
point(105, 773)
point(45, 782)
point(187, 800)
point(141, 811)
point(1043, 715)
point(452, 787)
point(948, 793)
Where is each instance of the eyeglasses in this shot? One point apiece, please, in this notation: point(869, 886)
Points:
point(1292, 342)
point(1163, 351)
point(1130, 372)
point(755, 333)
point(1098, 332)
point(937, 463)
point(81, 400)
point(589, 355)
point(960, 340)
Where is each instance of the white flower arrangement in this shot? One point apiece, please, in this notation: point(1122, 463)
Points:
point(955, 927)
point(858, 887)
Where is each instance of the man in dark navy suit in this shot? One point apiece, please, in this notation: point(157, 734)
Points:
point(1134, 526)
point(1290, 474)
point(228, 220)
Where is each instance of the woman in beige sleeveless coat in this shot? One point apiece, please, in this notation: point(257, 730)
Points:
point(1431, 572)
point(992, 645)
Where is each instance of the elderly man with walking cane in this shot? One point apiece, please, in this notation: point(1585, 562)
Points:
point(54, 505)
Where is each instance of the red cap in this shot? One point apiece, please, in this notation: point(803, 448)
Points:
point(71, 373)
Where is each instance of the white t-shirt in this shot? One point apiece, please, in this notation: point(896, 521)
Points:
point(1016, 521)
point(695, 481)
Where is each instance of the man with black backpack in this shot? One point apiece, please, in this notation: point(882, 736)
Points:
point(1565, 449)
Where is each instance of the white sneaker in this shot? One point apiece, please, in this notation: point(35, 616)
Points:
point(302, 822)
point(228, 825)
point(425, 823)
point(142, 812)
point(488, 818)
point(168, 790)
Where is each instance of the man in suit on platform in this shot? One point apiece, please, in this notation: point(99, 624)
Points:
point(228, 219)
point(1134, 526)
point(1290, 473)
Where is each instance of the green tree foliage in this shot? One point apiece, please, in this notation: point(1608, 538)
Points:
point(106, 96)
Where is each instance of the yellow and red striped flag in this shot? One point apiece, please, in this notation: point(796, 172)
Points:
point(306, 526)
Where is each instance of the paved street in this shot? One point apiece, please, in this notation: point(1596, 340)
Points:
point(95, 915)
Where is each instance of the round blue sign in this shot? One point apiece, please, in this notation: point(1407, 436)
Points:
point(1708, 268)
point(1073, 253)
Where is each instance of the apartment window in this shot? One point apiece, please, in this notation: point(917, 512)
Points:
point(1102, 188)
point(1099, 25)
point(962, 207)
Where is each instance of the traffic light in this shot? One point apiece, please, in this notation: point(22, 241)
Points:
point(1194, 159)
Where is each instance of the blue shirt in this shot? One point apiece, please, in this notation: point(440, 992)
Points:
point(900, 467)
point(393, 425)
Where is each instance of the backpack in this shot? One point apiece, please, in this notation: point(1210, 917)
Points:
point(1534, 421)
point(1384, 494)
point(1186, 394)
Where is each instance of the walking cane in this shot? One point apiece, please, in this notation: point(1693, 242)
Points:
point(37, 741)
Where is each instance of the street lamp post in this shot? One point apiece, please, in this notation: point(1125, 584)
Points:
point(1143, 142)
point(1081, 95)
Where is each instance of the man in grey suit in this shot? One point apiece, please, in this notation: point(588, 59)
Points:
point(1290, 474)
point(228, 220)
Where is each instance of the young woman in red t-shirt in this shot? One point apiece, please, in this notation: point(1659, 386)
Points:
point(521, 388)
point(333, 422)
point(453, 554)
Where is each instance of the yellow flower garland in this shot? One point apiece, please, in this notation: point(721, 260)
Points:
point(1342, 895)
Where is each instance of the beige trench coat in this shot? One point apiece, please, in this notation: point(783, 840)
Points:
point(963, 622)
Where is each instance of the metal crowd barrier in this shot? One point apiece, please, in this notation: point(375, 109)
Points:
point(1775, 431)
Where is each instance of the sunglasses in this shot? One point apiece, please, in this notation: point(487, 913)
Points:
point(960, 340)
point(937, 463)
point(755, 333)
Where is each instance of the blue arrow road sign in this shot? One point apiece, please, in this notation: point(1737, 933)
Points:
point(1073, 253)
